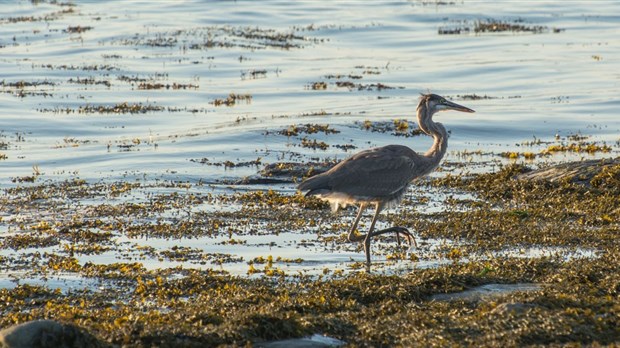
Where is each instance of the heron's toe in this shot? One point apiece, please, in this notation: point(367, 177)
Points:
point(405, 232)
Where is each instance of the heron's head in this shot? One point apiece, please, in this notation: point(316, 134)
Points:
point(435, 103)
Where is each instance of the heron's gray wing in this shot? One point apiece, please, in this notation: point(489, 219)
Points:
point(378, 172)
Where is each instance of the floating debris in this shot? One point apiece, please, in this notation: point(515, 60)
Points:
point(314, 144)
point(254, 74)
point(77, 29)
point(341, 76)
point(295, 130)
point(515, 155)
point(122, 108)
point(93, 67)
point(494, 26)
point(398, 127)
point(89, 81)
point(580, 147)
point(318, 85)
point(228, 164)
point(345, 147)
point(206, 38)
point(173, 86)
point(232, 99)
point(24, 84)
point(47, 18)
point(364, 87)
point(474, 97)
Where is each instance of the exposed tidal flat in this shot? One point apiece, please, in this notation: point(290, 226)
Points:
point(149, 156)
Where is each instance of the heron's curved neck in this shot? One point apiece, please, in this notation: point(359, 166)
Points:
point(437, 131)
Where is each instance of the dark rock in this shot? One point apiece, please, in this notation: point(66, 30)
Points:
point(47, 333)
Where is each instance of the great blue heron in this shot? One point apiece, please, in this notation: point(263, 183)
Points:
point(381, 176)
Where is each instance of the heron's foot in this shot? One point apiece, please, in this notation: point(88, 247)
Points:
point(399, 231)
point(353, 237)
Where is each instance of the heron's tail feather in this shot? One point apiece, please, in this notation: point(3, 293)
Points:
point(317, 192)
point(318, 184)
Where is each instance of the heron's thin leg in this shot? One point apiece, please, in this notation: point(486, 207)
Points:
point(352, 237)
point(370, 234)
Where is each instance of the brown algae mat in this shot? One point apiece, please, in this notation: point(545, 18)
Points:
point(576, 300)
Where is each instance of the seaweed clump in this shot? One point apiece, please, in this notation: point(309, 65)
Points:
point(518, 210)
point(575, 301)
point(190, 307)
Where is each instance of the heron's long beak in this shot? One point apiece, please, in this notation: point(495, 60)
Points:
point(454, 106)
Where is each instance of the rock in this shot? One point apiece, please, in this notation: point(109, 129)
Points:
point(314, 341)
point(579, 172)
point(46, 333)
point(485, 291)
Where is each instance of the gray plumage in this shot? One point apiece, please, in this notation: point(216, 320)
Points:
point(381, 176)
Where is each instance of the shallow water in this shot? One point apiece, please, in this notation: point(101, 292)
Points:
point(56, 60)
